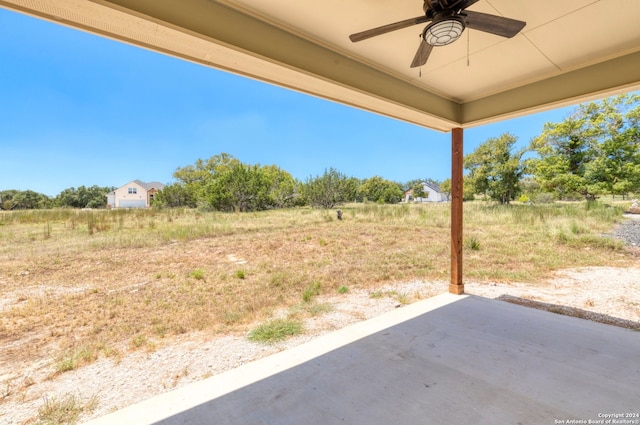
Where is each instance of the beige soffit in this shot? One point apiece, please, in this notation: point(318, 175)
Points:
point(570, 51)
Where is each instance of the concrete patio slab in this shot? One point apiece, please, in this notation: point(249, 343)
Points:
point(445, 360)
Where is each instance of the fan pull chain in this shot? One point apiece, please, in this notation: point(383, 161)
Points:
point(468, 42)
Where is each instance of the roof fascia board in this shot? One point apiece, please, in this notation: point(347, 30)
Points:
point(219, 23)
point(285, 59)
point(618, 75)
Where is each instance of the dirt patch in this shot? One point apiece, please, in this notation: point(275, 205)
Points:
point(606, 291)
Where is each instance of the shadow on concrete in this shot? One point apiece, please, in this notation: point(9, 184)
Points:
point(572, 311)
point(471, 361)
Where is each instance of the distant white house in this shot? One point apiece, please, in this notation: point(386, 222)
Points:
point(433, 191)
point(135, 194)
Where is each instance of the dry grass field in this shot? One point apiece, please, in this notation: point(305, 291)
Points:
point(81, 285)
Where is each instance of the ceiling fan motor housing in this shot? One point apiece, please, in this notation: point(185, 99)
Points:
point(445, 29)
point(449, 19)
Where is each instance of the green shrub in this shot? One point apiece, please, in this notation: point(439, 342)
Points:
point(276, 330)
point(312, 290)
point(197, 274)
point(472, 243)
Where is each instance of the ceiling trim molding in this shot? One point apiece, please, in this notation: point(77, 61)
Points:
point(215, 34)
point(608, 78)
point(218, 23)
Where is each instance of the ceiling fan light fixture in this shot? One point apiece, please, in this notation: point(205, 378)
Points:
point(444, 31)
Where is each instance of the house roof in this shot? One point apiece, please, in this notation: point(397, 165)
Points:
point(149, 186)
point(570, 51)
point(433, 186)
point(145, 186)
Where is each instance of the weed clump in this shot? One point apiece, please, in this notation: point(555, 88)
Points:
point(311, 291)
point(64, 410)
point(197, 274)
point(71, 360)
point(472, 243)
point(276, 330)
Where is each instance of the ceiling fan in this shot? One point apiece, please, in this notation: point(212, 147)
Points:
point(448, 20)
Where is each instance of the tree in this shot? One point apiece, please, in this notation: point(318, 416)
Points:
point(6, 199)
point(350, 188)
point(198, 179)
point(564, 149)
point(224, 183)
point(445, 187)
point(495, 168)
point(330, 189)
point(593, 151)
point(174, 195)
point(411, 184)
point(377, 189)
point(282, 187)
point(202, 171)
point(418, 190)
point(468, 191)
point(30, 200)
point(616, 167)
point(83, 197)
point(240, 188)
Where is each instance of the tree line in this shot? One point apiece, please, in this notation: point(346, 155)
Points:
point(81, 197)
point(224, 183)
point(593, 152)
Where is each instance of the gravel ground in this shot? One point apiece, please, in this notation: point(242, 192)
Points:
point(611, 295)
point(629, 230)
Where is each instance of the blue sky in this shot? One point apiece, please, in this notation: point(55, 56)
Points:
point(77, 109)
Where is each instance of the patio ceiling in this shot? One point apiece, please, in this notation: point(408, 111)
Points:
point(570, 51)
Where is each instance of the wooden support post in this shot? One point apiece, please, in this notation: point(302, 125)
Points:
point(456, 286)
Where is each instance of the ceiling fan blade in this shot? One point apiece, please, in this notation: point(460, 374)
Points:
point(498, 25)
point(359, 36)
point(424, 50)
point(462, 4)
